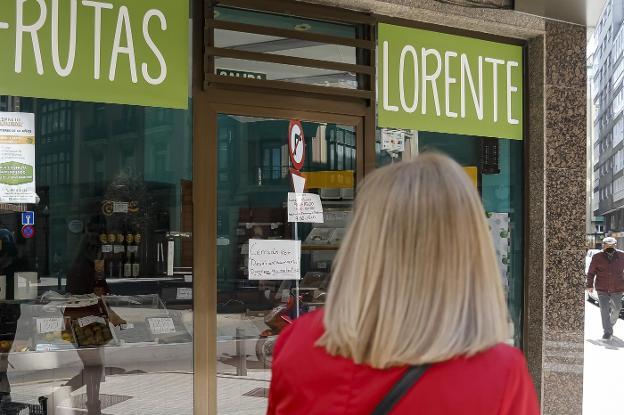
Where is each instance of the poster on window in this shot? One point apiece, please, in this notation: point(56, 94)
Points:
point(500, 228)
point(17, 158)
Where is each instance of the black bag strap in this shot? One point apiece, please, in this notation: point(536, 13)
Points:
point(400, 389)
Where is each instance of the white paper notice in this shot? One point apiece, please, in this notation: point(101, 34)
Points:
point(85, 321)
point(120, 207)
point(50, 325)
point(17, 158)
point(162, 325)
point(184, 293)
point(305, 208)
point(274, 259)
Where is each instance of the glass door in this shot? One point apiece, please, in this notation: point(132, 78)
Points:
point(254, 178)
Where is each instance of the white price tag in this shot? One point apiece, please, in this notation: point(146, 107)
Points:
point(107, 249)
point(85, 321)
point(184, 294)
point(120, 207)
point(162, 325)
point(50, 325)
point(118, 249)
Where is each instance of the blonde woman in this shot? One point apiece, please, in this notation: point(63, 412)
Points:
point(415, 320)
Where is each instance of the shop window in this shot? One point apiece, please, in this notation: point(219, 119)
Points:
point(496, 167)
point(103, 288)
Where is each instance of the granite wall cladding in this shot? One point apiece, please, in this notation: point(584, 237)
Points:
point(565, 196)
point(556, 160)
point(536, 215)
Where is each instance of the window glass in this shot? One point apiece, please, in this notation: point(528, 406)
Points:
point(496, 168)
point(253, 187)
point(96, 311)
point(275, 45)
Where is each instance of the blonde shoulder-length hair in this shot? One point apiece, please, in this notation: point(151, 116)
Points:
point(416, 279)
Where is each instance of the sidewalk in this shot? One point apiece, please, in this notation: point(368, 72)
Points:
point(603, 385)
point(165, 393)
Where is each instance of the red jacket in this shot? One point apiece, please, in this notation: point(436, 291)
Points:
point(307, 380)
point(608, 273)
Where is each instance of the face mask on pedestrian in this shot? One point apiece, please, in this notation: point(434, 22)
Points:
point(610, 250)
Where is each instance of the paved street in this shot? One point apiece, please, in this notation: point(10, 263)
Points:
point(603, 386)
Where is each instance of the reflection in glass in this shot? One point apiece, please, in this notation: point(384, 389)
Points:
point(254, 181)
point(96, 310)
point(496, 167)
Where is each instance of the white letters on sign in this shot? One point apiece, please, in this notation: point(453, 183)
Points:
point(305, 208)
point(65, 65)
point(274, 259)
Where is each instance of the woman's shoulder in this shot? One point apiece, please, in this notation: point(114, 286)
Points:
point(308, 327)
point(499, 362)
point(501, 355)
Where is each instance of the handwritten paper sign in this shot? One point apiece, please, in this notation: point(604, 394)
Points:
point(305, 208)
point(161, 325)
point(50, 325)
point(274, 259)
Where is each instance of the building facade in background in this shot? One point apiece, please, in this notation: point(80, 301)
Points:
point(606, 61)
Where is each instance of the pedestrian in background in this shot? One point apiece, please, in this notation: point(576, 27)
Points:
point(416, 320)
point(606, 276)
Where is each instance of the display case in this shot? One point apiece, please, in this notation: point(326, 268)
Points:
point(58, 322)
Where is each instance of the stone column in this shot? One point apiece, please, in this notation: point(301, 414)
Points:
point(557, 195)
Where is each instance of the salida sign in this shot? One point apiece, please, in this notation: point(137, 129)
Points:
point(438, 82)
point(116, 51)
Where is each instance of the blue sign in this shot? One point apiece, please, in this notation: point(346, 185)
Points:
point(28, 218)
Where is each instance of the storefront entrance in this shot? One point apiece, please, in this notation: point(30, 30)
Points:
point(254, 179)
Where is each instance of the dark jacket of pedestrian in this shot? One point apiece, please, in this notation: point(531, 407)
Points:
point(607, 272)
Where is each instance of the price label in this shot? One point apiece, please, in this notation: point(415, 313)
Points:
point(107, 249)
point(118, 249)
point(50, 325)
point(85, 321)
point(184, 294)
point(162, 325)
point(120, 207)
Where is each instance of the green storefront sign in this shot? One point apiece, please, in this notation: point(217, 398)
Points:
point(115, 51)
point(431, 81)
